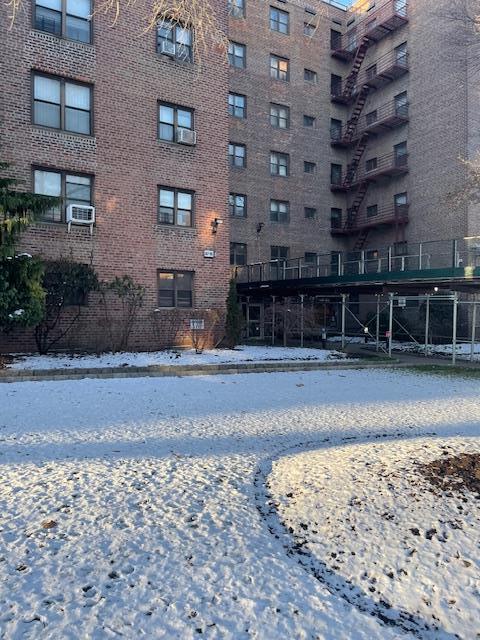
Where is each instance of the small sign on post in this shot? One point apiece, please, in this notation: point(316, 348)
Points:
point(197, 325)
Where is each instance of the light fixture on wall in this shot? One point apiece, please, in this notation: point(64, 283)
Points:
point(215, 224)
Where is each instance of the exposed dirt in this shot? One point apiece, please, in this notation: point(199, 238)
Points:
point(454, 473)
point(4, 360)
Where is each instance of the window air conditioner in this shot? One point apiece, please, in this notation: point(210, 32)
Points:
point(80, 214)
point(186, 136)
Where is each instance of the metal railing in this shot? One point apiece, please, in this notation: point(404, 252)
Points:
point(394, 214)
point(385, 113)
point(461, 253)
point(391, 163)
point(369, 21)
point(381, 67)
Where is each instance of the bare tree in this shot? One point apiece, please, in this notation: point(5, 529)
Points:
point(465, 17)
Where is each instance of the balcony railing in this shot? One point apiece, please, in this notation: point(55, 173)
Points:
point(374, 25)
point(385, 69)
point(389, 165)
point(365, 219)
point(462, 253)
point(386, 117)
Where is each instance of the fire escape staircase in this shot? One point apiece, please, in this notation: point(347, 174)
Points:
point(351, 80)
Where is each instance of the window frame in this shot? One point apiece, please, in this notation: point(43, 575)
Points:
point(279, 155)
point(276, 21)
point(233, 207)
point(313, 120)
point(63, 82)
point(244, 108)
point(230, 156)
point(233, 252)
point(234, 11)
point(176, 192)
point(310, 76)
point(336, 215)
point(308, 210)
point(281, 217)
point(175, 125)
point(63, 190)
point(275, 72)
point(278, 107)
point(175, 273)
point(63, 22)
point(309, 167)
point(173, 29)
point(232, 56)
point(281, 258)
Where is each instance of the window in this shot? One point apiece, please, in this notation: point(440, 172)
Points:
point(67, 18)
point(60, 104)
point(309, 29)
point(308, 121)
point(371, 117)
point(335, 129)
point(72, 188)
point(237, 205)
point(237, 105)
point(401, 104)
point(310, 213)
point(279, 20)
point(335, 40)
point(279, 253)
point(170, 119)
point(279, 68)
point(335, 85)
point(372, 210)
point(237, 55)
point(336, 174)
point(237, 155)
point(309, 167)
point(400, 153)
point(279, 164)
point(335, 218)
point(401, 54)
point(400, 200)
point(279, 211)
point(335, 262)
point(238, 254)
point(175, 40)
point(175, 289)
point(310, 76)
point(371, 164)
point(310, 257)
point(175, 207)
point(236, 8)
point(279, 116)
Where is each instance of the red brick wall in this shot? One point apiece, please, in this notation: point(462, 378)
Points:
point(126, 158)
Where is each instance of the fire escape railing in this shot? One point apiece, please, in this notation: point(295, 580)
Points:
point(374, 25)
point(389, 215)
point(387, 115)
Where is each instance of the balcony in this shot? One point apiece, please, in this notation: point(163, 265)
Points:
point(364, 220)
point(386, 69)
point(374, 26)
point(388, 166)
point(385, 118)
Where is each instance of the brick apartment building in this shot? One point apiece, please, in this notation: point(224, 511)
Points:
point(343, 131)
point(108, 116)
point(369, 109)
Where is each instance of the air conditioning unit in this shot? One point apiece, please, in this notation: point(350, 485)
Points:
point(80, 214)
point(167, 48)
point(186, 136)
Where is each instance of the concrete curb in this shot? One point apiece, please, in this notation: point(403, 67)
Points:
point(158, 371)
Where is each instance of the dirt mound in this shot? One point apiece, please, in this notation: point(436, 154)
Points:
point(456, 473)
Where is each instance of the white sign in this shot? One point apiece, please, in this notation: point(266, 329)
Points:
point(402, 302)
point(198, 325)
point(209, 253)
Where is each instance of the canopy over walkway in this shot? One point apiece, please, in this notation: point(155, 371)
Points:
point(415, 268)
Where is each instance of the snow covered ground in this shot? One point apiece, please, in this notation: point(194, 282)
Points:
point(462, 349)
point(133, 508)
point(366, 512)
point(188, 357)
